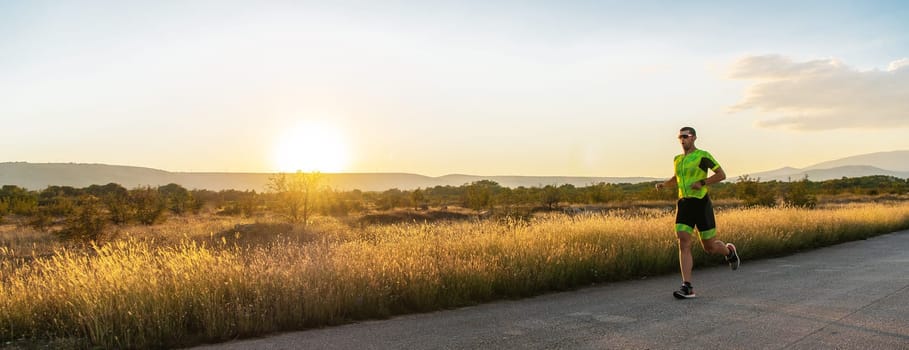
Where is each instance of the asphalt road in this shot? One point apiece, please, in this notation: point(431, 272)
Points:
point(850, 296)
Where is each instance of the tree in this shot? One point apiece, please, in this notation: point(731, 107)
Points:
point(58, 201)
point(524, 196)
point(443, 196)
point(149, 205)
point(18, 200)
point(333, 203)
point(597, 193)
point(569, 193)
point(481, 194)
point(418, 198)
point(116, 199)
point(86, 223)
point(296, 193)
point(799, 195)
point(178, 199)
point(390, 199)
point(508, 200)
point(754, 193)
point(247, 204)
point(550, 196)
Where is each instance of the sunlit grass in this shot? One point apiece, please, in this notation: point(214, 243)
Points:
point(191, 285)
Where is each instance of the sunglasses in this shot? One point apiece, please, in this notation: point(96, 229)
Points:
point(685, 136)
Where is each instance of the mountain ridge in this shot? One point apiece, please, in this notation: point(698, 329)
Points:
point(827, 174)
point(37, 176)
point(892, 163)
point(892, 160)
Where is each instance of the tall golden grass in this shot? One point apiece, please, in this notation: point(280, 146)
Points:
point(139, 293)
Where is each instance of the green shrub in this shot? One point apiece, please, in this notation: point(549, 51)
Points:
point(799, 195)
point(178, 200)
point(41, 220)
point(755, 193)
point(120, 209)
point(149, 205)
point(86, 223)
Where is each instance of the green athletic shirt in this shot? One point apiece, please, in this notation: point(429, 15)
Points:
point(691, 168)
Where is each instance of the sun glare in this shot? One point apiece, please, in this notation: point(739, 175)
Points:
point(311, 146)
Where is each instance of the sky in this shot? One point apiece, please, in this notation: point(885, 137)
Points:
point(543, 88)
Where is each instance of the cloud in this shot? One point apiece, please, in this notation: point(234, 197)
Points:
point(824, 94)
point(898, 64)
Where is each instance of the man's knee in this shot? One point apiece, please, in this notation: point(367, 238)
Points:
point(712, 246)
point(684, 239)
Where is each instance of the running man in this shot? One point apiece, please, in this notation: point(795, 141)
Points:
point(694, 211)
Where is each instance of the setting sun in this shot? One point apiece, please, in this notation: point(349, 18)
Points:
point(311, 146)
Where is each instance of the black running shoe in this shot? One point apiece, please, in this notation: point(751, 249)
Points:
point(685, 292)
point(733, 257)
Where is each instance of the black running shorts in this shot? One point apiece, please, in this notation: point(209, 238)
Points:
point(696, 213)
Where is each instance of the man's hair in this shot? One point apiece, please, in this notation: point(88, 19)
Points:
point(690, 129)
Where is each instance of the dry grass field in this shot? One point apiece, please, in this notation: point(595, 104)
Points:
point(195, 280)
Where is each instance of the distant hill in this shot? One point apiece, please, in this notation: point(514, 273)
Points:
point(827, 174)
point(894, 163)
point(37, 176)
